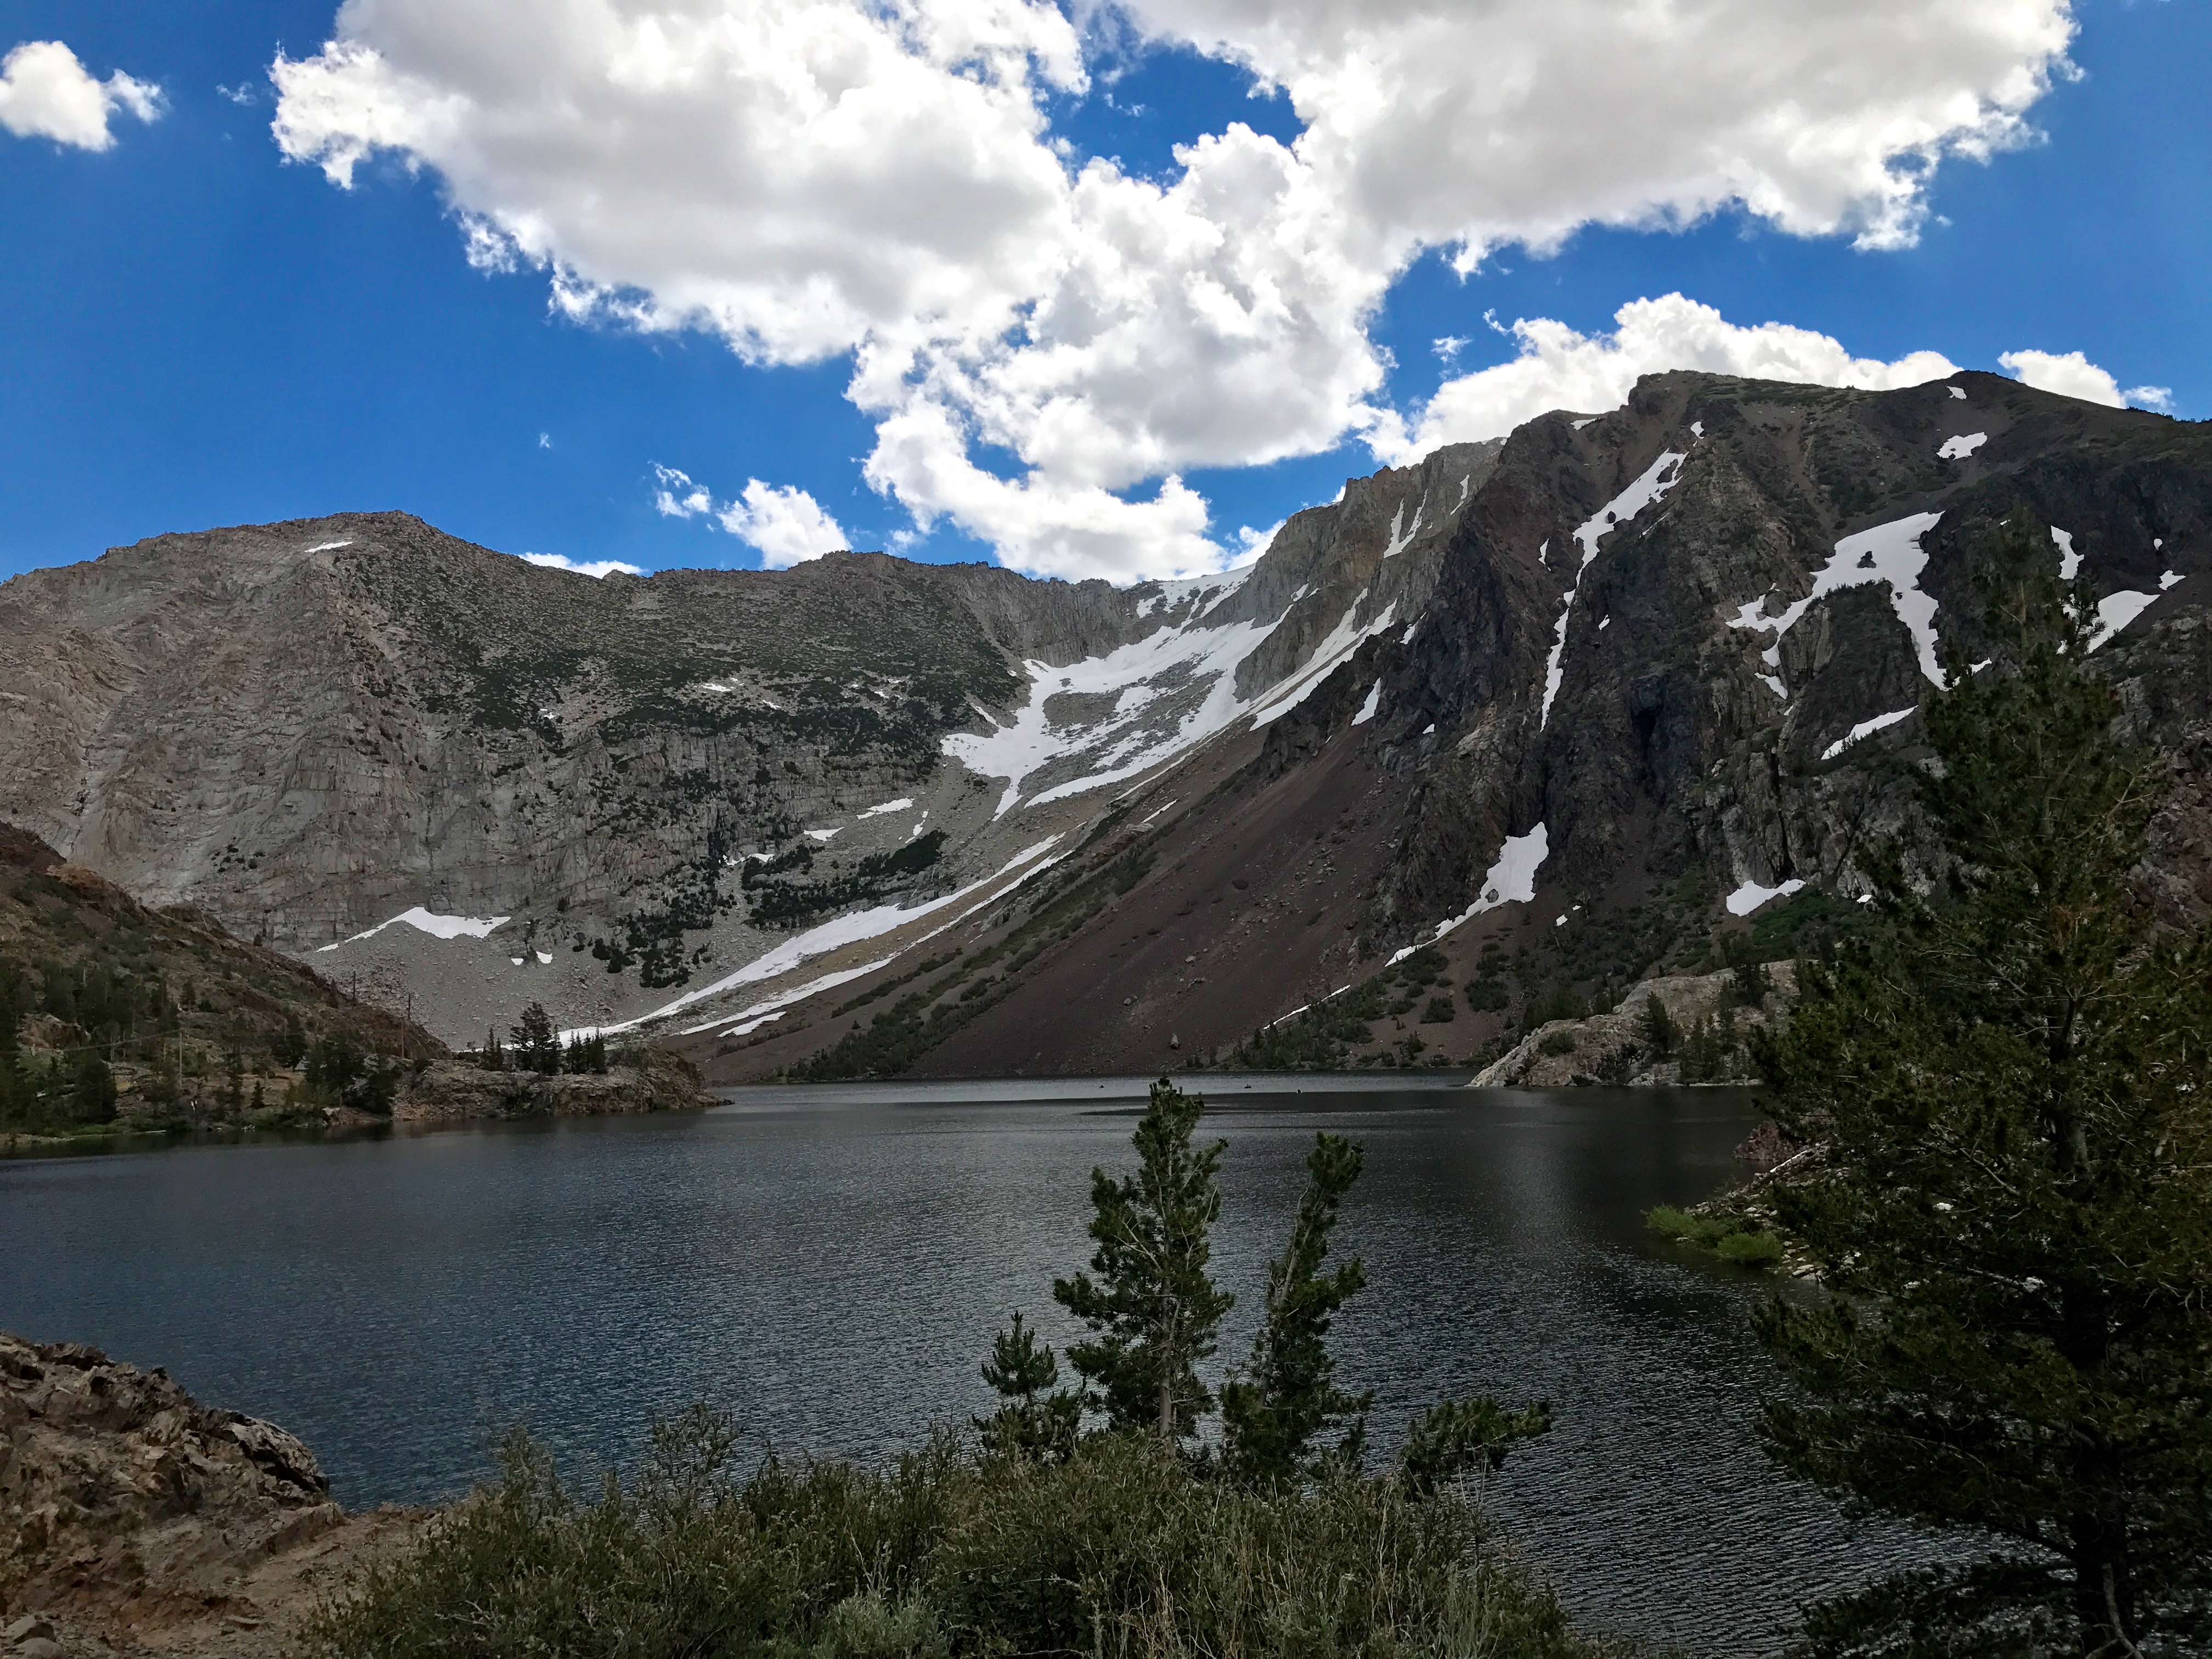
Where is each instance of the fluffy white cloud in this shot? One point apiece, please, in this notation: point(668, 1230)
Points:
point(1519, 120)
point(583, 567)
point(2071, 374)
point(1560, 369)
point(785, 524)
point(809, 178)
point(45, 93)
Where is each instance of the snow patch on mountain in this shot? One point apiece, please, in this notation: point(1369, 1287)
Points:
point(853, 929)
point(1340, 642)
point(1888, 553)
point(2116, 610)
point(1867, 729)
point(1367, 709)
point(2070, 562)
point(1209, 591)
point(1956, 449)
point(436, 927)
point(1124, 741)
point(1661, 476)
point(1511, 880)
point(1749, 897)
point(1399, 544)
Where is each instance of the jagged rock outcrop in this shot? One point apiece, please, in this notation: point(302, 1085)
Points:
point(1618, 1046)
point(137, 1524)
point(454, 1091)
point(117, 1489)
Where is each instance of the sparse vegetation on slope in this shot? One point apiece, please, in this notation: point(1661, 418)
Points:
point(113, 1015)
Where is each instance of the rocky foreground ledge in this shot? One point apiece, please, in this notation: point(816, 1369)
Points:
point(135, 1521)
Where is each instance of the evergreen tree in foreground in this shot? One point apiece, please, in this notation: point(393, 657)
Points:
point(2014, 1217)
point(1152, 1307)
point(1270, 1417)
point(1038, 1419)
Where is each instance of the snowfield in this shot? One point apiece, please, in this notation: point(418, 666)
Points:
point(1888, 553)
point(1749, 897)
point(2116, 610)
point(841, 931)
point(1170, 692)
point(437, 926)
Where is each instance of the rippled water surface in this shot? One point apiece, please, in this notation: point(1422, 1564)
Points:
point(829, 1264)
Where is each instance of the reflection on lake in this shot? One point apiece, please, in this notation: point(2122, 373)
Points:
point(829, 1264)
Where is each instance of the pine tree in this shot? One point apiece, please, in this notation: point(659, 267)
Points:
point(1659, 1028)
point(1037, 1419)
point(92, 1092)
point(1462, 1437)
point(1152, 1307)
point(537, 1045)
point(1271, 1416)
point(2015, 1219)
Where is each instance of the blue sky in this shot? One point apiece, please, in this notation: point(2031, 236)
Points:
point(200, 331)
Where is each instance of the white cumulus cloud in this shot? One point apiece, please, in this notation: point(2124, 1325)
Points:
point(786, 524)
point(581, 566)
point(2071, 374)
point(45, 93)
point(1557, 367)
point(811, 178)
point(1519, 120)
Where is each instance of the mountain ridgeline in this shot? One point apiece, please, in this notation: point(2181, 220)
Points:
point(1482, 743)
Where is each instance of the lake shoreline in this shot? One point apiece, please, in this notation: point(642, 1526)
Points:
point(827, 1264)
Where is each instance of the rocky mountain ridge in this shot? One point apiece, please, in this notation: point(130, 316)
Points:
point(1619, 695)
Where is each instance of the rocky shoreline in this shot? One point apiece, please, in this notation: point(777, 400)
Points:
point(135, 1521)
point(1622, 1046)
point(443, 1094)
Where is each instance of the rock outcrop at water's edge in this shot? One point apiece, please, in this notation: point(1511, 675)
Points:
point(134, 1519)
point(1619, 1046)
point(453, 1091)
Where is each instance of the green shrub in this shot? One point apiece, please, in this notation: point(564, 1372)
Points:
point(1439, 1012)
point(944, 1552)
point(1557, 1042)
point(1686, 1227)
point(1757, 1250)
point(1486, 993)
point(1726, 1236)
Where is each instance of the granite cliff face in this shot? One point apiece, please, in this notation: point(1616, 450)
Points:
point(1588, 705)
point(357, 725)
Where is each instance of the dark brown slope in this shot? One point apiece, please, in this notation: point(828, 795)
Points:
point(1253, 908)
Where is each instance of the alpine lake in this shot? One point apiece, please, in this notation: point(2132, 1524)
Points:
point(827, 1264)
